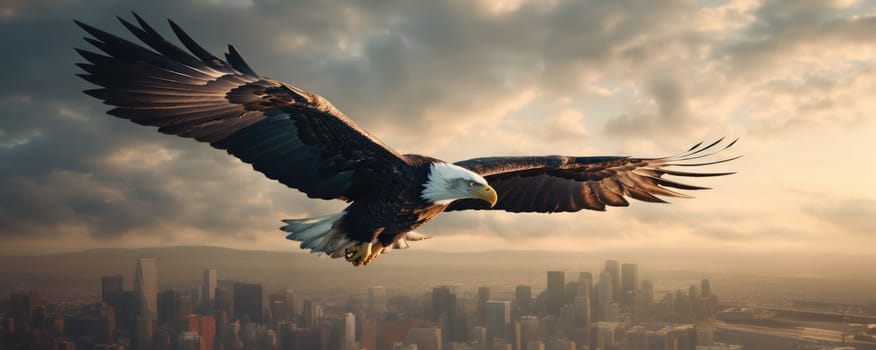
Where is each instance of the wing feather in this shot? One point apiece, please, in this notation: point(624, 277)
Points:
point(293, 136)
point(568, 184)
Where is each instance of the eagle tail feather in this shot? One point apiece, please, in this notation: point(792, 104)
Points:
point(319, 234)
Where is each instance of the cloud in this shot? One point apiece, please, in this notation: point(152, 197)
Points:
point(854, 216)
point(452, 79)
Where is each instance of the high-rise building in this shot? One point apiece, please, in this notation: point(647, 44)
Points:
point(248, 301)
point(629, 284)
point(706, 288)
point(168, 310)
point(146, 287)
point(368, 334)
point(106, 324)
point(376, 301)
point(556, 285)
point(425, 338)
point(529, 329)
point(208, 290)
point(224, 301)
point(348, 332)
point(613, 269)
point(523, 300)
point(498, 317)
point(483, 296)
point(292, 304)
point(604, 294)
point(185, 305)
point(311, 314)
point(110, 288)
point(585, 283)
point(207, 330)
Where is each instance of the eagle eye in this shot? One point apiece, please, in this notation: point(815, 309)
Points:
point(472, 184)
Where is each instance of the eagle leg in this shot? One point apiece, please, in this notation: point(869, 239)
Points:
point(376, 249)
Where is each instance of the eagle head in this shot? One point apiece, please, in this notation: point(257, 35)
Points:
point(447, 183)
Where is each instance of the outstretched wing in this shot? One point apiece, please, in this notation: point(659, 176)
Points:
point(568, 184)
point(290, 135)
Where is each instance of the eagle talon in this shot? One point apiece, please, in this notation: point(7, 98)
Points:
point(357, 254)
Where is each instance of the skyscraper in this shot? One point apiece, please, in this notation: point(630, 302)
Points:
point(376, 300)
point(146, 287)
point(604, 294)
point(208, 290)
point(168, 309)
point(498, 317)
point(523, 300)
point(110, 288)
point(248, 301)
point(613, 269)
point(556, 288)
point(483, 296)
point(348, 333)
point(629, 283)
point(425, 338)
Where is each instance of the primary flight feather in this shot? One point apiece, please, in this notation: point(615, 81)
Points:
point(301, 140)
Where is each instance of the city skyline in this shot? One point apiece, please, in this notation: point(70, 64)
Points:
point(252, 317)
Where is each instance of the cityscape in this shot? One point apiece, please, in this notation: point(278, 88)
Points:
point(612, 308)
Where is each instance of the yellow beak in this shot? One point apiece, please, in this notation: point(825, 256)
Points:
point(486, 193)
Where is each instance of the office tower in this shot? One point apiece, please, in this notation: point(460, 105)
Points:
point(604, 297)
point(706, 288)
point(585, 283)
point(368, 334)
point(483, 296)
point(570, 293)
point(146, 287)
point(498, 317)
point(348, 332)
point(168, 311)
point(207, 330)
point(556, 285)
point(248, 301)
point(106, 324)
point(613, 269)
point(425, 338)
point(480, 336)
point(208, 290)
point(224, 301)
point(529, 329)
point(184, 304)
point(376, 301)
point(279, 311)
point(292, 304)
point(110, 288)
point(523, 300)
point(583, 320)
point(645, 300)
point(566, 320)
point(311, 314)
point(629, 283)
point(444, 311)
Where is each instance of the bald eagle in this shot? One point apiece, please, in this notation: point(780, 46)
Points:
point(301, 140)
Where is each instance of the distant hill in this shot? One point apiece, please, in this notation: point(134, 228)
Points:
point(78, 274)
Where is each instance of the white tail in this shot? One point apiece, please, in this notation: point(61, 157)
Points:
point(319, 234)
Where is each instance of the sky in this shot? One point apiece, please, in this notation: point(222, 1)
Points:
point(795, 80)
